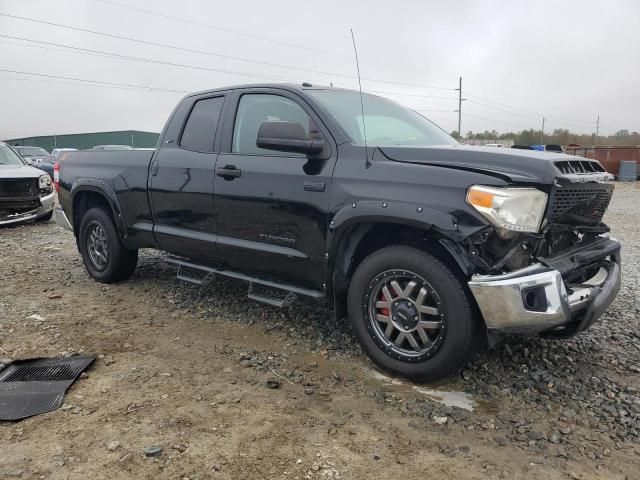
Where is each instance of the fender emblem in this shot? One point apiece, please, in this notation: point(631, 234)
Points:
point(314, 186)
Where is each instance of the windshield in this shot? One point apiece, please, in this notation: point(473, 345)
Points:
point(32, 151)
point(8, 156)
point(387, 123)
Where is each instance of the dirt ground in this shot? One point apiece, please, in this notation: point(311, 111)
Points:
point(192, 380)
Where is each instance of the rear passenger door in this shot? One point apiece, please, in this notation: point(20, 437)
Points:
point(181, 179)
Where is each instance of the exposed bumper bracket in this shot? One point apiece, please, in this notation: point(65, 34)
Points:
point(62, 220)
point(502, 299)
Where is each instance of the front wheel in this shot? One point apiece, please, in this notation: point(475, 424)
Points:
point(105, 258)
point(412, 315)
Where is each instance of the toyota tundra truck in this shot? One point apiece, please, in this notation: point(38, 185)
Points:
point(432, 249)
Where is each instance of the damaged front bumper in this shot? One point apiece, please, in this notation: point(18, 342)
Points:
point(40, 209)
point(538, 299)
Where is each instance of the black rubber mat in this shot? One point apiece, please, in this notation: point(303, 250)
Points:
point(32, 387)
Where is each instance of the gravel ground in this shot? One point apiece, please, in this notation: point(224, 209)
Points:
point(190, 369)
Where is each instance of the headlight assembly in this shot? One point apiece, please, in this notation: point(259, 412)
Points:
point(44, 182)
point(515, 209)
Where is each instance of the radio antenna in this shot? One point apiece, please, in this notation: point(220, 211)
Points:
point(364, 124)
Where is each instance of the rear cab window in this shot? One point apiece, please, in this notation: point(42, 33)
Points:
point(200, 129)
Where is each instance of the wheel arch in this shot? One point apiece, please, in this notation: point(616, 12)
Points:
point(89, 193)
point(363, 228)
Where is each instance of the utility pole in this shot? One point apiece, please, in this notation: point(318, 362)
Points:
point(460, 108)
point(542, 132)
point(597, 128)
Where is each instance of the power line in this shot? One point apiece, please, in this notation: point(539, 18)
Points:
point(214, 54)
point(22, 44)
point(109, 54)
point(149, 60)
point(538, 114)
point(100, 83)
point(145, 42)
point(553, 120)
point(101, 53)
point(494, 121)
point(226, 30)
point(126, 85)
point(503, 110)
point(259, 37)
point(53, 82)
point(309, 48)
point(402, 94)
point(504, 104)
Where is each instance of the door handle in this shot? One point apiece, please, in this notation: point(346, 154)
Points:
point(154, 168)
point(229, 172)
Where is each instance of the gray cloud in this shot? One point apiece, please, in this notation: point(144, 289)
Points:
point(568, 60)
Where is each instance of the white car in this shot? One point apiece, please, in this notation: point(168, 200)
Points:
point(26, 193)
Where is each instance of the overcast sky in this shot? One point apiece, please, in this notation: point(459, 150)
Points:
point(568, 60)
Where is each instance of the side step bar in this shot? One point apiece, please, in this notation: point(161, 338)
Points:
point(265, 297)
point(186, 277)
point(271, 297)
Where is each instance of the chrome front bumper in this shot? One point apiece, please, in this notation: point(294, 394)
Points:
point(62, 220)
point(46, 205)
point(535, 298)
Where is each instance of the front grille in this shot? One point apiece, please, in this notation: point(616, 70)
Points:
point(578, 166)
point(17, 208)
point(19, 187)
point(579, 203)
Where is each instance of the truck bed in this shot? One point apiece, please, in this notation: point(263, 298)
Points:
point(123, 171)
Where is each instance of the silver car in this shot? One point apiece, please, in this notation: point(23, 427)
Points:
point(32, 155)
point(26, 193)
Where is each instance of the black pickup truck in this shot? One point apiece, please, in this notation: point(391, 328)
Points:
point(432, 248)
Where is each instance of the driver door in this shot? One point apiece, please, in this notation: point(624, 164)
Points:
point(272, 211)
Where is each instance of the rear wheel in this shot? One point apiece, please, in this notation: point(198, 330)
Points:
point(105, 258)
point(412, 314)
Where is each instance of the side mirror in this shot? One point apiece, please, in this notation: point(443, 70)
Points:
point(287, 137)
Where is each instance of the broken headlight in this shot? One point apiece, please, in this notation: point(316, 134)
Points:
point(44, 183)
point(515, 209)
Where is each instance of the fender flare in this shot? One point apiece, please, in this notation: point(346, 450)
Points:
point(376, 211)
point(368, 212)
point(107, 192)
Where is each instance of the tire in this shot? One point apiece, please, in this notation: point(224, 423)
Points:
point(108, 261)
point(444, 349)
point(45, 218)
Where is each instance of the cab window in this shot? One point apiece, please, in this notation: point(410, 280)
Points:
point(200, 129)
point(254, 109)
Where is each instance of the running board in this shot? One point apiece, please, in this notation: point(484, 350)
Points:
point(269, 298)
point(184, 275)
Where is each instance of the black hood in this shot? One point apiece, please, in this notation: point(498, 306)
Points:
point(525, 166)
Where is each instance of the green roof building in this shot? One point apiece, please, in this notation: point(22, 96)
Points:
point(81, 141)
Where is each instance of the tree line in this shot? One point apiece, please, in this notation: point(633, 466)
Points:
point(559, 136)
